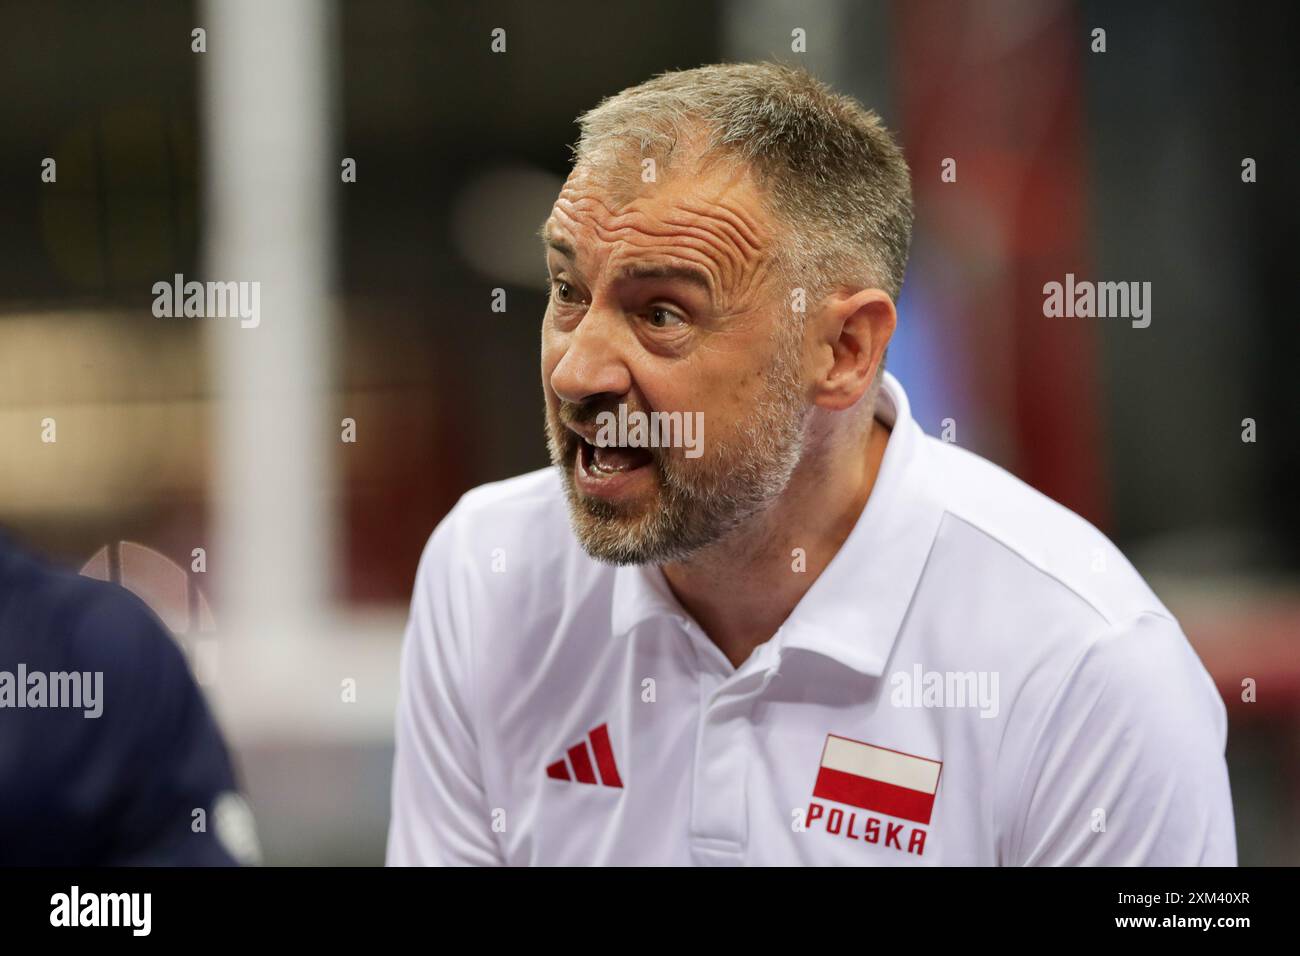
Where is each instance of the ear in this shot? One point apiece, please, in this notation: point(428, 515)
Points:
point(853, 330)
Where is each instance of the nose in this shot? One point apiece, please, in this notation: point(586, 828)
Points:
point(592, 363)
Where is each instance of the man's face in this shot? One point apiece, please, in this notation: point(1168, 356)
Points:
point(668, 302)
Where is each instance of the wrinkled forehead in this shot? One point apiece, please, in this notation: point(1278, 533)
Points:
point(625, 172)
point(710, 211)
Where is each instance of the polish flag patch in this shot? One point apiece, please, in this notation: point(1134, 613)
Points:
point(876, 778)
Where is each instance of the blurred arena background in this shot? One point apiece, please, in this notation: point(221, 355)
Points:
point(180, 434)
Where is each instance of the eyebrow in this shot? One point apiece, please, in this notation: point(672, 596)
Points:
point(638, 271)
point(560, 246)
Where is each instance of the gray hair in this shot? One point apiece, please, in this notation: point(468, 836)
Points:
point(829, 169)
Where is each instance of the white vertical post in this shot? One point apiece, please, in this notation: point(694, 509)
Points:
point(267, 168)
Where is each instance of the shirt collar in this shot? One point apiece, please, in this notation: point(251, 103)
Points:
point(855, 608)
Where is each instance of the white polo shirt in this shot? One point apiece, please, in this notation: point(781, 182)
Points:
point(979, 677)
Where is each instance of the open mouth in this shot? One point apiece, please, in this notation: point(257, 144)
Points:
point(610, 460)
point(610, 471)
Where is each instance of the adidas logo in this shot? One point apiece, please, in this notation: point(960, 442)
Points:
point(579, 758)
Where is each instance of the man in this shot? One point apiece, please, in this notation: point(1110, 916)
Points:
point(827, 638)
point(108, 753)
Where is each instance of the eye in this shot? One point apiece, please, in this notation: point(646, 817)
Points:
point(562, 291)
point(662, 318)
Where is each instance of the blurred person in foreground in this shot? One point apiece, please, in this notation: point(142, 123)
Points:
point(817, 636)
point(107, 749)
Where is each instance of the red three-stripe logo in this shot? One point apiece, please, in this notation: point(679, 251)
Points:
point(580, 758)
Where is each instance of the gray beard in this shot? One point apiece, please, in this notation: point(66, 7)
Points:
point(695, 508)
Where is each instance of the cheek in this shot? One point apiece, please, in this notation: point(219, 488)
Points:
point(727, 390)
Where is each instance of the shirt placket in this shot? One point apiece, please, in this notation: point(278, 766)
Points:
point(719, 826)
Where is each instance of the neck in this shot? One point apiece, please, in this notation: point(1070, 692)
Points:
point(742, 589)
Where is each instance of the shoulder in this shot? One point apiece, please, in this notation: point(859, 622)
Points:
point(505, 558)
point(1041, 548)
point(78, 623)
point(524, 510)
point(1047, 599)
point(1125, 766)
point(522, 519)
point(1109, 704)
point(114, 692)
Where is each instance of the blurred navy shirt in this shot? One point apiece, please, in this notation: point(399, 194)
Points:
point(120, 788)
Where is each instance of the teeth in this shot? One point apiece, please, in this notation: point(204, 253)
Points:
point(597, 466)
point(607, 460)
